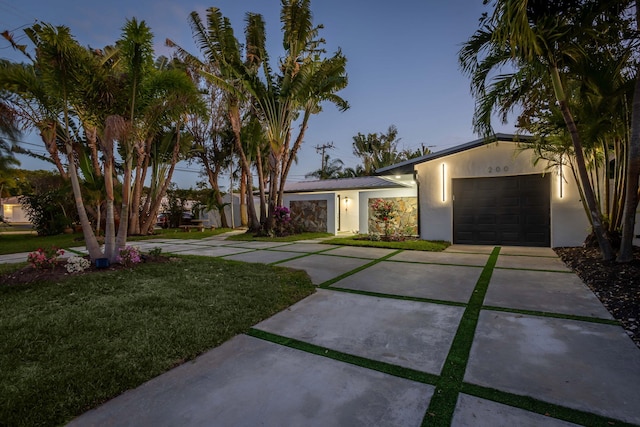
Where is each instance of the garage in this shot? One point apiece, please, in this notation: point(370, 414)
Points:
point(505, 210)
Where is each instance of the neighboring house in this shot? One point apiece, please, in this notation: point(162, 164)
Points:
point(491, 193)
point(12, 211)
point(212, 218)
point(343, 205)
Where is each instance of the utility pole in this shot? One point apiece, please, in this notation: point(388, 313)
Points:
point(321, 149)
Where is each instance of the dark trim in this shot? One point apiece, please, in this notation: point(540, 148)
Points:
point(407, 166)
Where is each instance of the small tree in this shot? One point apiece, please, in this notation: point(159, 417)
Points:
point(384, 211)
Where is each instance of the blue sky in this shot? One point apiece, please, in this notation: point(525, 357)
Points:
point(402, 61)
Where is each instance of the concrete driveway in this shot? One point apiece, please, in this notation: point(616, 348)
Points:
point(473, 336)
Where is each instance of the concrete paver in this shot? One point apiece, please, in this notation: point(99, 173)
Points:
point(263, 257)
point(441, 282)
point(472, 249)
point(250, 382)
point(477, 412)
point(215, 251)
point(532, 263)
point(305, 247)
point(14, 258)
point(478, 260)
point(322, 267)
point(247, 381)
point(372, 327)
point(259, 245)
point(543, 291)
point(357, 252)
point(587, 366)
point(524, 250)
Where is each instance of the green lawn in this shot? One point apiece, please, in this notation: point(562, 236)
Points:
point(15, 243)
point(67, 347)
point(302, 236)
point(414, 245)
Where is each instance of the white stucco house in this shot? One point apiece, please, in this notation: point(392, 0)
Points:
point(489, 192)
point(342, 205)
point(12, 211)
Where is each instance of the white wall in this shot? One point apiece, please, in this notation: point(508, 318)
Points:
point(331, 206)
point(569, 224)
point(349, 210)
point(212, 218)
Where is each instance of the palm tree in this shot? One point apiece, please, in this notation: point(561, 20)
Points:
point(633, 169)
point(9, 129)
point(58, 62)
point(225, 68)
point(543, 39)
point(330, 169)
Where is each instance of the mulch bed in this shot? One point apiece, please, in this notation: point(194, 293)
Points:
point(616, 285)
point(29, 274)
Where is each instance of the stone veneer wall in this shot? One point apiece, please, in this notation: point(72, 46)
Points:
point(407, 220)
point(310, 215)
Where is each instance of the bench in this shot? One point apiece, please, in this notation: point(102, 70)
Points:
point(188, 228)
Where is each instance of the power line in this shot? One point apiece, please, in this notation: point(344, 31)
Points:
point(322, 148)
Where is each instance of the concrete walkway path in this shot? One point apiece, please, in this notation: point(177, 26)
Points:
point(472, 336)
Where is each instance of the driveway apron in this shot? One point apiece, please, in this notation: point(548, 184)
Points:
point(477, 336)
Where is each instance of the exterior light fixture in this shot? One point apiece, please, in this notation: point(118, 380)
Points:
point(560, 178)
point(398, 177)
point(444, 194)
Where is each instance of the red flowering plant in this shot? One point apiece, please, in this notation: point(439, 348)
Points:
point(44, 258)
point(384, 211)
point(282, 217)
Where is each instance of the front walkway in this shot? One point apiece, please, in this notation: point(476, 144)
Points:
point(473, 336)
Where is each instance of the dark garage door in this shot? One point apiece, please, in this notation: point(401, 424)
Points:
point(509, 210)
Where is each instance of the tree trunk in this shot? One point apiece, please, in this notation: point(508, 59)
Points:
point(261, 186)
point(146, 225)
point(633, 173)
point(123, 228)
point(213, 181)
point(234, 118)
point(90, 239)
point(244, 221)
point(596, 218)
point(291, 155)
point(594, 211)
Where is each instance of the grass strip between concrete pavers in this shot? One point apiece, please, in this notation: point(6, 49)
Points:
point(531, 404)
point(612, 322)
point(355, 270)
point(302, 255)
point(375, 365)
point(399, 297)
point(445, 396)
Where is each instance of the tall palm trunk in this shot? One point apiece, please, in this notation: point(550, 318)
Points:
point(90, 239)
point(290, 156)
point(234, 118)
point(244, 218)
point(633, 173)
point(594, 210)
point(150, 220)
point(213, 175)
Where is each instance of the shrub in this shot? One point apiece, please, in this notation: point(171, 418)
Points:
point(155, 251)
point(77, 264)
point(282, 217)
point(128, 256)
point(44, 258)
point(384, 211)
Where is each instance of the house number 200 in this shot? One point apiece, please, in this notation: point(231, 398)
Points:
point(492, 169)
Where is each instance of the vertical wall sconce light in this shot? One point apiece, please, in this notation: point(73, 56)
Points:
point(444, 198)
point(346, 204)
point(561, 179)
